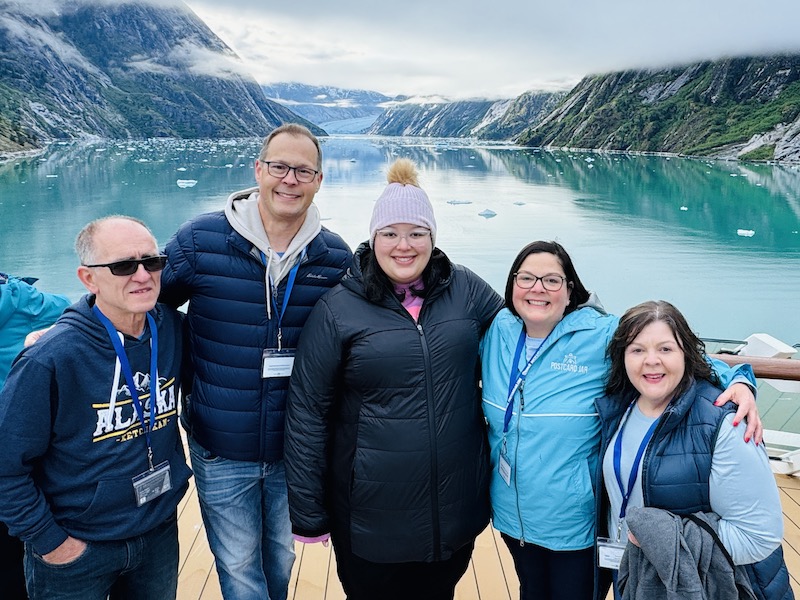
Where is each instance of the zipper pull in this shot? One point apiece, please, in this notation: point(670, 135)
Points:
point(521, 395)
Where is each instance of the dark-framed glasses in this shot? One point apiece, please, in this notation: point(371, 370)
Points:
point(123, 268)
point(551, 282)
point(280, 170)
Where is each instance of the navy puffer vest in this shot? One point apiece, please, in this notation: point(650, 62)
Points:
point(677, 468)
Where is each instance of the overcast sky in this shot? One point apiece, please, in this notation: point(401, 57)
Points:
point(488, 49)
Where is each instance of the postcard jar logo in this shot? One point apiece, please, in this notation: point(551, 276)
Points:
point(570, 363)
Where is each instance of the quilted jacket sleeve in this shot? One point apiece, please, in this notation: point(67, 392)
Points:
point(312, 393)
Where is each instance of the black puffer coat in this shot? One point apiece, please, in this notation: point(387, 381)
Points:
point(385, 440)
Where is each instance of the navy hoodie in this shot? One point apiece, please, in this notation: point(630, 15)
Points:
point(67, 460)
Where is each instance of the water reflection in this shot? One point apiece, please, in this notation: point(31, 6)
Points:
point(638, 227)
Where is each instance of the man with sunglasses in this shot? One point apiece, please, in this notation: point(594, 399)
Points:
point(251, 274)
point(93, 467)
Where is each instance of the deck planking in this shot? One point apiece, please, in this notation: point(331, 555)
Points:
point(490, 575)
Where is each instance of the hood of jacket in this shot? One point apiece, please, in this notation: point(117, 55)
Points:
point(242, 213)
point(81, 317)
point(585, 317)
point(594, 302)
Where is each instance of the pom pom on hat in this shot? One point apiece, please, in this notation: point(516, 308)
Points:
point(403, 201)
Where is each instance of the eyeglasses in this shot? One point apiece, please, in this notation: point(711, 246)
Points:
point(551, 282)
point(389, 237)
point(280, 170)
point(123, 268)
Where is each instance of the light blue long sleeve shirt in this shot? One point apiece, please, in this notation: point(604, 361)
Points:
point(742, 489)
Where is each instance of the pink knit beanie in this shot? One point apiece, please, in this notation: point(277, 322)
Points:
point(403, 201)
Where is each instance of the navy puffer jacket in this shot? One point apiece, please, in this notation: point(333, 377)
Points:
point(232, 412)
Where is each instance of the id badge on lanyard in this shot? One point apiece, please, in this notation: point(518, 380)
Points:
point(151, 484)
point(609, 553)
point(516, 382)
point(277, 363)
point(156, 480)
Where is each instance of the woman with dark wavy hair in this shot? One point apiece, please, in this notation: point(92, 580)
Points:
point(544, 363)
point(631, 325)
point(665, 445)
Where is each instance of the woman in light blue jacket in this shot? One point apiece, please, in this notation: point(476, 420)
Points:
point(544, 431)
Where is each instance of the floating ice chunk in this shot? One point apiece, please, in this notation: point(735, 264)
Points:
point(186, 183)
point(459, 201)
point(51, 176)
point(684, 208)
point(181, 169)
point(519, 203)
point(487, 213)
point(745, 232)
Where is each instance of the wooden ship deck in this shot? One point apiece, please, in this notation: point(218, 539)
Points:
point(491, 574)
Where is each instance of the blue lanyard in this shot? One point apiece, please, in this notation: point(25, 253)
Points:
point(289, 286)
point(626, 495)
point(517, 377)
point(125, 365)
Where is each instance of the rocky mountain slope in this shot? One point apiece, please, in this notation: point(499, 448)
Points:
point(121, 70)
point(737, 108)
point(484, 119)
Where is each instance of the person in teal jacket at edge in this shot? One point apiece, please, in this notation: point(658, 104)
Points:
point(23, 309)
point(543, 364)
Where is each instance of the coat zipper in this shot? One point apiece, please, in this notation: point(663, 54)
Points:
point(516, 462)
point(434, 447)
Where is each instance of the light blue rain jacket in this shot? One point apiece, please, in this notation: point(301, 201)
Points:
point(553, 437)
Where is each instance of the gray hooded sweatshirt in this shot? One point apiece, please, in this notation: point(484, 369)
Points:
point(677, 559)
point(242, 213)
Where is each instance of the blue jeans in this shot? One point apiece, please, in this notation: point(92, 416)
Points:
point(245, 508)
point(141, 568)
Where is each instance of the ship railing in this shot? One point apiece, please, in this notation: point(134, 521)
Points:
point(775, 365)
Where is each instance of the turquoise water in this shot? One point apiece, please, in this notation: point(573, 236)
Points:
point(718, 239)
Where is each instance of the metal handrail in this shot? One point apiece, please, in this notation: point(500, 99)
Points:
point(767, 368)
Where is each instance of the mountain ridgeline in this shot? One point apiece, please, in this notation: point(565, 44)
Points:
point(360, 111)
point(482, 119)
point(82, 68)
point(126, 70)
point(747, 108)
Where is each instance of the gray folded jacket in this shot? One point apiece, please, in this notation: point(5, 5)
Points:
point(678, 559)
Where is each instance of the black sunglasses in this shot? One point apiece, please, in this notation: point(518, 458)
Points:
point(129, 267)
